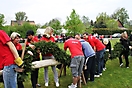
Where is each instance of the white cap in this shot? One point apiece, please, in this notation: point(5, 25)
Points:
point(105, 41)
point(14, 35)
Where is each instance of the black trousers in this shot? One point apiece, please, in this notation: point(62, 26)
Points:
point(34, 77)
point(126, 54)
point(19, 82)
point(90, 69)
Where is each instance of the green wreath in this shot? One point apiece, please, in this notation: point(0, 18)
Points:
point(117, 49)
point(45, 47)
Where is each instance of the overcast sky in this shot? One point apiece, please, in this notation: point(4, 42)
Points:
point(42, 11)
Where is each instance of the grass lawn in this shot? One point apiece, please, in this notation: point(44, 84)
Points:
point(113, 77)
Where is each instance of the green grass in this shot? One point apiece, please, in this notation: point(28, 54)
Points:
point(113, 77)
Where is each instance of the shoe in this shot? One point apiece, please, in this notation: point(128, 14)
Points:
point(72, 86)
point(100, 74)
point(38, 85)
point(88, 78)
point(121, 64)
point(97, 76)
point(46, 84)
point(127, 67)
point(104, 69)
point(57, 84)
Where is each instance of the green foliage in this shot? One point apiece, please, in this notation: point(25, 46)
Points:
point(45, 47)
point(55, 24)
point(74, 24)
point(27, 67)
point(117, 49)
point(112, 23)
point(2, 20)
point(109, 31)
point(101, 20)
point(51, 47)
point(20, 29)
point(122, 15)
point(21, 16)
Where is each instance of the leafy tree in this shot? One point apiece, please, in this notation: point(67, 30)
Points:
point(55, 24)
point(21, 16)
point(21, 29)
point(112, 23)
point(2, 22)
point(101, 20)
point(74, 24)
point(121, 14)
point(91, 22)
point(86, 22)
point(129, 24)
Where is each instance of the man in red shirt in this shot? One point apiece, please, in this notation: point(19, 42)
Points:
point(9, 58)
point(77, 59)
point(99, 48)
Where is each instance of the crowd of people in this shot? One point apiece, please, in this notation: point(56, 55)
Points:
point(87, 56)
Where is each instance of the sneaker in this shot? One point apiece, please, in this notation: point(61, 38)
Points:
point(121, 64)
point(100, 74)
point(72, 86)
point(38, 85)
point(88, 78)
point(46, 84)
point(57, 84)
point(97, 76)
point(104, 69)
point(127, 67)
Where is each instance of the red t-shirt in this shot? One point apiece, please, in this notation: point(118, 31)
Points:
point(48, 40)
point(94, 41)
point(18, 46)
point(74, 46)
point(34, 39)
point(6, 56)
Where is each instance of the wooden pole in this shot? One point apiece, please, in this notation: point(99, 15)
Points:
point(24, 48)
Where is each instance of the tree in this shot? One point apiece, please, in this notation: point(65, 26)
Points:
point(112, 23)
point(101, 20)
point(55, 24)
point(121, 14)
point(73, 24)
point(21, 29)
point(2, 22)
point(21, 16)
point(86, 22)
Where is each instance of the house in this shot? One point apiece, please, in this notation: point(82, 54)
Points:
point(120, 25)
point(14, 22)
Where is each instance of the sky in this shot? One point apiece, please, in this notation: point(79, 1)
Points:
point(42, 11)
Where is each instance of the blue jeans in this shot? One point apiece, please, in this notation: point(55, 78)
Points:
point(10, 76)
point(99, 61)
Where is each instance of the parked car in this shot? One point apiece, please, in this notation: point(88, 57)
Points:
point(116, 35)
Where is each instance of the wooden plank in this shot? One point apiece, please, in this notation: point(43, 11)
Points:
point(45, 63)
point(42, 63)
point(1, 72)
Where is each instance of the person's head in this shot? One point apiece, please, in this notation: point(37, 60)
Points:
point(70, 36)
point(105, 41)
point(77, 36)
point(30, 34)
point(48, 31)
point(85, 35)
point(15, 37)
point(124, 35)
